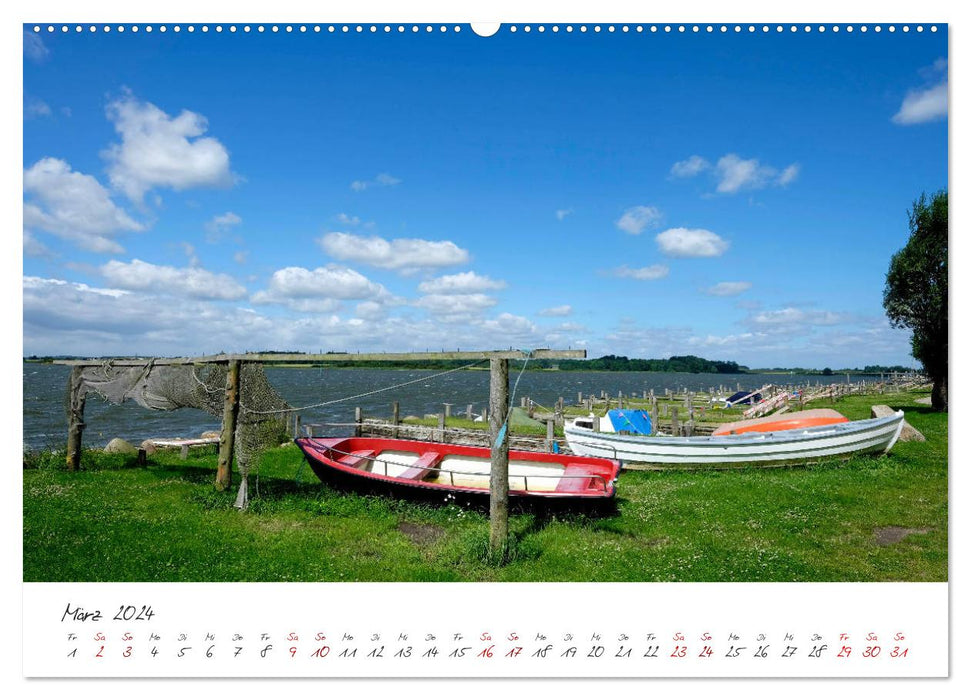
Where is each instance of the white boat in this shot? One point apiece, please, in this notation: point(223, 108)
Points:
point(777, 447)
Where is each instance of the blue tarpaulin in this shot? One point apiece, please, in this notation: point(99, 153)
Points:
point(628, 421)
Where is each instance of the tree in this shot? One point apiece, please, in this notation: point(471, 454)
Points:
point(915, 295)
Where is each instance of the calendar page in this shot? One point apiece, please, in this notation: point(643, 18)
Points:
point(395, 345)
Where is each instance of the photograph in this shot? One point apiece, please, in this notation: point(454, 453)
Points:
point(454, 303)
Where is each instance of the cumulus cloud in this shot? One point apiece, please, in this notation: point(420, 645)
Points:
point(461, 283)
point(347, 219)
point(733, 173)
point(652, 272)
point(928, 103)
point(403, 254)
point(191, 282)
point(320, 289)
point(636, 219)
point(73, 206)
point(157, 150)
point(729, 289)
point(454, 307)
point(381, 180)
point(689, 167)
point(691, 243)
point(557, 311)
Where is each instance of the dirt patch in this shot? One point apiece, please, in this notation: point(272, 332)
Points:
point(894, 534)
point(422, 535)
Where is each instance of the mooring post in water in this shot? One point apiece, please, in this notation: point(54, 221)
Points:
point(395, 418)
point(358, 419)
point(227, 438)
point(75, 426)
point(499, 473)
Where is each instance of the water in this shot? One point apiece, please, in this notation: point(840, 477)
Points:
point(45, 386)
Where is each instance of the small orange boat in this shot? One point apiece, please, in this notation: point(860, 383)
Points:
point(786, 421)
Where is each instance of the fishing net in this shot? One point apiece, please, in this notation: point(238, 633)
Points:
point(261, 422)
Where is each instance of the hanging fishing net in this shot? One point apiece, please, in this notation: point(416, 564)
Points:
point(261, 422)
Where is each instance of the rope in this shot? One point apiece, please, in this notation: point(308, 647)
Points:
point(501, 435)
point(365, 394)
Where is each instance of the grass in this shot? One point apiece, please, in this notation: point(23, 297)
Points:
point(116, 521)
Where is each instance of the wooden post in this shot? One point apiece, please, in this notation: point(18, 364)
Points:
point(654, 417)
point(579, 398)
point(549, 435)
point(499, 473)
point(559, 404)
point(227, 437)
point(675, 427)
point(75, 426)
point(468, 412)
point(358, 419)
point(441, 427)
point(448, 410)
point(395, 418)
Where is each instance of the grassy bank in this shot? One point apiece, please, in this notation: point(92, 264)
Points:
point(865, 519)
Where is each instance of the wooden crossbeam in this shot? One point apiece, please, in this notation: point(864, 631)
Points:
point(288, 358)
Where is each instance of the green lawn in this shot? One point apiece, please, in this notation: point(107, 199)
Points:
point(115, 521)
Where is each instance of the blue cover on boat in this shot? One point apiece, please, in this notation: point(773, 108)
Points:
point(627, 421)
point(754, 398)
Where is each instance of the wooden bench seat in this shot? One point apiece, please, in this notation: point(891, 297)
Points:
point(356, 459)
point(574, 483)
point(422, 466)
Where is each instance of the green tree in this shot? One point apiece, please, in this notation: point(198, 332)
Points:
point(915, 295)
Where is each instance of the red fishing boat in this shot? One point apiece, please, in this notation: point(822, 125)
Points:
point(458, 469)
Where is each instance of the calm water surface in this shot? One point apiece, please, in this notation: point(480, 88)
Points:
point(45, 386)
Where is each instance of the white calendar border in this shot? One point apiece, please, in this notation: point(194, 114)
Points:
point(508, 10)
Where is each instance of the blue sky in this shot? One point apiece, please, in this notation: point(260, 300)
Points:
point(735, 196)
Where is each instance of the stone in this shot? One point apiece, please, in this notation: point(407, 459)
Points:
point(925, 401)
point(210, 434)
point(149, 447)
point(907, 433)
point(119, 446)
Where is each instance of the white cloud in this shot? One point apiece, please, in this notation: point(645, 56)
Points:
point(789, 174)
point(921, 106)
point(557, 311)
point(636, 219)
point(157, 150)
point(783, 320)
point(347, 219)
point(691, 243)
point(510, 327)
point(404, 254)
point(319, 289)
point(729, 289)
point(221, 223)
point(563, 213)
point(461, 283)
point(34, 107)
point(652, 272)
point(734, 174)
point(240, 256)
point(455, 306)
point(34, 47)
point(382, 179)
point(191, 282)
point(73, 206)
point(689, 167)
point(34, 248)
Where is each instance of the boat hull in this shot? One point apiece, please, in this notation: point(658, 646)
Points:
point(786, 421)
point(782, 447)
point(428, 468)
